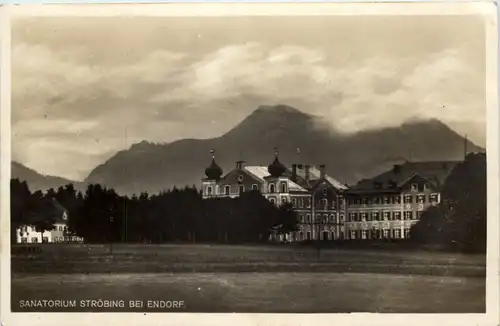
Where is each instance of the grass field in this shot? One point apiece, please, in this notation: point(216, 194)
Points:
point(222, 278)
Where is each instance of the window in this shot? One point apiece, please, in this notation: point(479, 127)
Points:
point(325, 191)
point(255, 187)
point(364, 201)
point(386, 233)
point(325, 218)
point(376, 216)
point(308, 203)
point(408, 215)
point(352, 217)
point(419, 214)
point(434, 198)
point(325, 202)
point(45, 240)
point(408, 199)
point(341, 217)
point(369, 217)
point(397, 216)
point(363, 217)
point(407, 232)
point(283, 187)
point(272, 188)
point(308, 218)
point(60, 228)
point(227, 190)
point(332, 218)
point(272, 200)
point(34, 240)
point(421, 199)
point(397, 200)
point(397, 233)
point(209, 191)
point(301, 202)
point(24, 240)
point(353, 234)
point(363, 234)
point(387, 200)
point(294, 202)
point(334, 204)
point(386, 216)
point(318, 218)
point(414, 187)
point(342, 202)
point(376, 200)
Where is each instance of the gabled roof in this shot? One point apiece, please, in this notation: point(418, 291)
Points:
point(436, 172)
point(260, 172)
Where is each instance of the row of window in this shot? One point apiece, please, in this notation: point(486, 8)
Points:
point(390, 200)
point(379, 234)
point(384, 216)
point(362, 217)
point(56, 239)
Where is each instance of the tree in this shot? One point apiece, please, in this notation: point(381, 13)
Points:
point(459, 221)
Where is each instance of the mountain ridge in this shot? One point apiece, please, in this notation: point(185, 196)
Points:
point(155, 167)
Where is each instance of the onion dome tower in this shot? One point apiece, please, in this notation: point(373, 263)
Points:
point(276, 169)
point(214, 171)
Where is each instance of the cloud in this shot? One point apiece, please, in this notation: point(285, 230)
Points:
point(70, 106)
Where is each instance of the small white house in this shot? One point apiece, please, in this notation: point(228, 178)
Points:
point(58, 234)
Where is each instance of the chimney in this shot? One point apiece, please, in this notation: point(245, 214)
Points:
point(294, 172)
point(239, 165)
point(322, 169)
point(307, 171)
point(396, 168)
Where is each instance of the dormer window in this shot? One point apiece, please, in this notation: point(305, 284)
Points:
point(325, 192)
point(283, 187)
point(414, 187)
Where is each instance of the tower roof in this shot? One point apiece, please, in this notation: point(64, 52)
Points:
point(276, 168)
point(214, 171)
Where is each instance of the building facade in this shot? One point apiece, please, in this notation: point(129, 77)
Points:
point(313, 194)
point(386, 206)
point(383, 207)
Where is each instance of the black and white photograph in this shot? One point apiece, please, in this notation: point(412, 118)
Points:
point(237, 163)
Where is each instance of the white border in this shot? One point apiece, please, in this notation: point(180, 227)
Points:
point(487, 9)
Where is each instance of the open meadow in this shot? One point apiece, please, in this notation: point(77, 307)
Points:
point(220, 278)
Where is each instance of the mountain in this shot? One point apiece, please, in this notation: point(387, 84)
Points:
point(37, 181)
point(348, 157)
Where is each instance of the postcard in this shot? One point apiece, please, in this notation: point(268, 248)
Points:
point(250, 164)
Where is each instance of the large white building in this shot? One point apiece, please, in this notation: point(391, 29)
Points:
point(383, 207)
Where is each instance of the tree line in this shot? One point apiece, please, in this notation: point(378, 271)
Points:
point(101, 215)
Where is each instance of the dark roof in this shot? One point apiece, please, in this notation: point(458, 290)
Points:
point(49, 207)
point(435, 172)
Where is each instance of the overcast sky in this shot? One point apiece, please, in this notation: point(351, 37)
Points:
point(85, 88)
